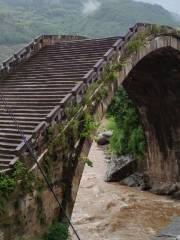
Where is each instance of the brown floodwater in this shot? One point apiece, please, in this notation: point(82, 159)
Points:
point(106, 211)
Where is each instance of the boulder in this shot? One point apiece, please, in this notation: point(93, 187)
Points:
point(171, 232)
point(139, 180)
point(146, 185)
point(131, 181)
point(101, 141)
point(164, 189)
point(103, 138)
point(135, 180)
point(107, 134)
point(176, 195)
point(119, 168)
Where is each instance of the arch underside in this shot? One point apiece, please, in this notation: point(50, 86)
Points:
point(154, 87)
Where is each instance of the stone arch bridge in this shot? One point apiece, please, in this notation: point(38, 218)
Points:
point(54, 72)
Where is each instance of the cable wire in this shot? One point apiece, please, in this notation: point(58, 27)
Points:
point(31, 151)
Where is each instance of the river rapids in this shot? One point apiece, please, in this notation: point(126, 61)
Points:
point(110, 211)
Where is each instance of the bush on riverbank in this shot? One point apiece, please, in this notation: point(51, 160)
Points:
point(58, 231)
point(128, 135)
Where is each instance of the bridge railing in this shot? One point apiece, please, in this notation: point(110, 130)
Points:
point(31, 49)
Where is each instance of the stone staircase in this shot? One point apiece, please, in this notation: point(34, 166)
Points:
point(35, 87)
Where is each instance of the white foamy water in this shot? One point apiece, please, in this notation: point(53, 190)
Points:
point(110, 211)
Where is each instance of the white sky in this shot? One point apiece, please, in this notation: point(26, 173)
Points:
point(171, 5)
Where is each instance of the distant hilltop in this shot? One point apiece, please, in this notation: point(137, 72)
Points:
point(22, 20)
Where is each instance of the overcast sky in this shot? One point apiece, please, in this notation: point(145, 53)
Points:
point(171, 5)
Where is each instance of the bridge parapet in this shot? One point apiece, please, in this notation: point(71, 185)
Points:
point(31, 49)
point(35, 46)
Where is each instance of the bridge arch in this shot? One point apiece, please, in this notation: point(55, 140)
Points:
point(151, 79)
point(154, 86)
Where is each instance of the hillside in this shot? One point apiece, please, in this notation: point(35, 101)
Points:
point(22, 20)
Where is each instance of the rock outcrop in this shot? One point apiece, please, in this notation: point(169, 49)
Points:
point(104, 137)
point(119, 168)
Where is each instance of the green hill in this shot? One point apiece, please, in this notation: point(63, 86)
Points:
point(22, 20)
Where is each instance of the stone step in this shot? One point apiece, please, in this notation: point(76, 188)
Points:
point(7, 157)
point(40, 115)
point(25, 82)
point(25, 110)
point(20, 121)
point(22, 126)
point(69, 54)
point(65, 66)
point(5, 161)
point(79, 68)
point(62, 71)
point(75, 60)
point(64, 77)
point(40, 93)
point(7, 151)
point(39, 89)
point(32, 101)
point(23, 118)
point(4, 165)
point(71, 51)
point(38, 85)
point(15, 136)
point(10, 140)
point(12, 131)
point(46, 108)
point(8, 145)
point(36, 97)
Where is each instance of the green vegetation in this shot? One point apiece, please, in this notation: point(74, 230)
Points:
point(69, 132)
point(22, 20)
point(57, 231)
point(128, 136)
point(89, 125)
point(79, 124)
point(87, 161)
point(20, 177)
point(134, 46)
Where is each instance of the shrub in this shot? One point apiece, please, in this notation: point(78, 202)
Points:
point(58, 231)
point(134, 46)
point(128, 135)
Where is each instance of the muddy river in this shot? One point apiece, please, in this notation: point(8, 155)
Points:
point(110, 211)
